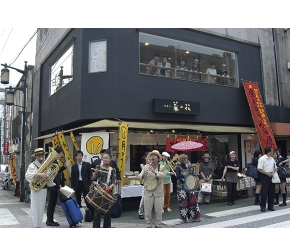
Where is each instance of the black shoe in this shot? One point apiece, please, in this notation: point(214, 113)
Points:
point(256, 203)
point(276, 203)
point(271, 209)
point(283, 204)
point(263, 210)
point(52, 223)
point(230, 204)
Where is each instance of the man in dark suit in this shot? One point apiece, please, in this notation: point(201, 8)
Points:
point(81, 178)
point(53, 191)
point(113, 164)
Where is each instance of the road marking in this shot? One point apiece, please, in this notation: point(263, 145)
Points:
point(27, 210)
point(247, 219)
point(236, 211)
point(7, 218)
point(280, 225)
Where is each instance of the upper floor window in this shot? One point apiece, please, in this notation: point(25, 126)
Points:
point(62, 70)
point(164, 57)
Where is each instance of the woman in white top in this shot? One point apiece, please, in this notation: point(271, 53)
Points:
point(211, 71)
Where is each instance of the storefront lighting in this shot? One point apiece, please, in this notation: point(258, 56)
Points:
point(187, 52)
point(151, 131)
point(146, 44)
point(173, 131)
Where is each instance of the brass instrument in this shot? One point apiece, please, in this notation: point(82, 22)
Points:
point(48, 167)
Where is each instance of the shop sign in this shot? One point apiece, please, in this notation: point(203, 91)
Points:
point(175, 106)
point(122, 145)
point(13, 167)
point(259, 115)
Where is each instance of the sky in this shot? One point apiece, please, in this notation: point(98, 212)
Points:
point(12, 41)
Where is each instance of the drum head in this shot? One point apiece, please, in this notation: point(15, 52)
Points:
point(191, 182)
point(150, 183)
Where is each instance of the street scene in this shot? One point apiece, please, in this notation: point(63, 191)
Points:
point(144, 127)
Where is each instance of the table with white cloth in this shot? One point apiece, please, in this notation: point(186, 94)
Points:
point(135, 190)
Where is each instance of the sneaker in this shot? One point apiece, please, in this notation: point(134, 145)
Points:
point(168, 209)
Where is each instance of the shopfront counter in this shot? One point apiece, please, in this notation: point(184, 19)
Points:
point(135, 190)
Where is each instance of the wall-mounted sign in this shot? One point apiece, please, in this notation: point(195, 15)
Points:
point(98, 56)
point(175, 106)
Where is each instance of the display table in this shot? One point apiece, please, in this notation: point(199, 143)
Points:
point(135, 190)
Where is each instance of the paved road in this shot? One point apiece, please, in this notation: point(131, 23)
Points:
point(14, 214)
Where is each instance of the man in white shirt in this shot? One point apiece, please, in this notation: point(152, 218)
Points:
point(266, 167)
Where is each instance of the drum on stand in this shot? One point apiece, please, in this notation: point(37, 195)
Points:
point(100, 199)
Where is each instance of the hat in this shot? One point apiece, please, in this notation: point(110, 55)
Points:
point(196, 60)
point(165, 154)
point(224, 65)
point(155, 152)
point(206, 156)
point(232, 152)
point(39, 150)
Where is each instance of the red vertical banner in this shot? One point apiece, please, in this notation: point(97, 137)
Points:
point(259, 115)
point(7, 131)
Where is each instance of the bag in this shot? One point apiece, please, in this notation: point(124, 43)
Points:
point(116, 209)
point(62, 198)
point(252, 171)
point(72, 212)
point(284, 172)
point(206, 188)
point(89, 215)
point(275, 178)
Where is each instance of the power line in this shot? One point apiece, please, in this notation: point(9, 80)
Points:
point(6, 41)
point(24, 47)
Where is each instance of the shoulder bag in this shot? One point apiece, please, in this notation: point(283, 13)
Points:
point(252, 171)
point(284, 172)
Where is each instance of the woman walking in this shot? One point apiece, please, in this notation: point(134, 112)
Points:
point(257, 155)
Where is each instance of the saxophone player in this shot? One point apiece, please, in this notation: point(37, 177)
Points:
point(37, 198)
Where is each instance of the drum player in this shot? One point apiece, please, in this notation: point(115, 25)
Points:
point(104, 175)
point(153, 197)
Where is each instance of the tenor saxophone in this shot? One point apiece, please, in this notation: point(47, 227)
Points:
point(48, 167)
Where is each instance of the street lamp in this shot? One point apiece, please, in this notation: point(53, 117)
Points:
point(5, 80)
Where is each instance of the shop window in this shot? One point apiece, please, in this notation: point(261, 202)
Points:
point(62, 70)
point(169, 58)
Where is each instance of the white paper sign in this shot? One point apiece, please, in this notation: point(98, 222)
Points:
point(98, 56)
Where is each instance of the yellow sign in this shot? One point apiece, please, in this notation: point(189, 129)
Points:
point(94, 145)
point(60, 160)
point(122, 143)
point(13, 167)
point(74, 141)
point(65, 148)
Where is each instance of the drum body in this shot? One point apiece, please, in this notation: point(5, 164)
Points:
point(117, 189)
point(150, 183)
point(100, 199)
point(191, 182)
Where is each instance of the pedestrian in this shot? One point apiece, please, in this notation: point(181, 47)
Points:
point(230, 175)
point(53, 191)
point(206, 170)
point(167, 181)
point(105, 176)
point(37, 198)
point(153, 197)
point(267, 167)
point(188, 205)
point(81, 179)
point(281, 162)
point(257, 155)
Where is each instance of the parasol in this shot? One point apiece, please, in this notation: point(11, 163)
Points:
point(186, 146)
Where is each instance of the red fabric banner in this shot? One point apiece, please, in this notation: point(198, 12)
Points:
point(178, 139)
point(259, 115)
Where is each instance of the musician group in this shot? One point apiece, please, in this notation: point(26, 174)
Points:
point(96, 182)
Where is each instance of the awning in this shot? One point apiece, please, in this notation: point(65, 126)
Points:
point(164, 126)
point(280, 129)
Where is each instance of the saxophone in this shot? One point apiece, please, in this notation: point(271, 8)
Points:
point(48, 167)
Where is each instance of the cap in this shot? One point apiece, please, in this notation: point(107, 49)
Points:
point(165, 154)
point(232, 152)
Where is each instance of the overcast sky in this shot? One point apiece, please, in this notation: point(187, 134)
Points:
point(12, 41)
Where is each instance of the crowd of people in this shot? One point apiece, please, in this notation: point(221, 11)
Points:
point(156, 174)
point(161, 66)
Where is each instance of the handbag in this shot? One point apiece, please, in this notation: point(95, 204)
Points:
point(284, 172)
point(252, 171)
point(205, 188)
point(275, 178)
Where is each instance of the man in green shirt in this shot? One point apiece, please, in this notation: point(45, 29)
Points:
point(167, 181)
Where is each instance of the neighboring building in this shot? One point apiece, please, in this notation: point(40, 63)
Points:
point(87, 75)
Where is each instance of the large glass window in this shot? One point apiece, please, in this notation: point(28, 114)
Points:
point(62, 71)
point(169, 58)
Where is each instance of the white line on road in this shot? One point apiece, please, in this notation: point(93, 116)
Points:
point(7, 218)
point(280, 225)
point(247, 219)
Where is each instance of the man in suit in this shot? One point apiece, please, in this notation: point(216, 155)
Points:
point(81, 178)
point(53, 191)
point(113, 164)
